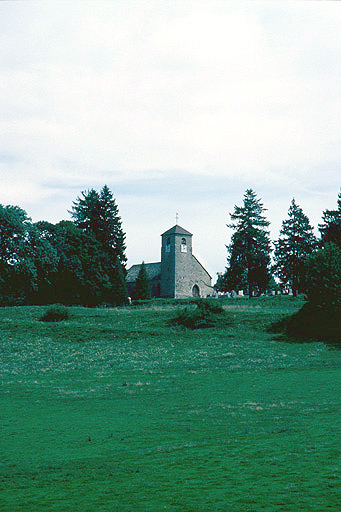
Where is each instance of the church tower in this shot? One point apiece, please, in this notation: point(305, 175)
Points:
point(176, 263)
point(179, 274)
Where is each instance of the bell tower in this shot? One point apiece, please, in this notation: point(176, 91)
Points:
point(176, 260)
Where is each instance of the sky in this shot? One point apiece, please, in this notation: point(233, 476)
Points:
point(178, 107)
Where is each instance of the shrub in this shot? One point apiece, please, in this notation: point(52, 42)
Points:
point(312, 323)
point(320, 317)
point(55, 314)
point(208, 313)
point(210, 306)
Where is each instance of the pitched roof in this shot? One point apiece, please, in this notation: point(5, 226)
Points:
point(153, 271)
point(177, 230)
point(202, 266)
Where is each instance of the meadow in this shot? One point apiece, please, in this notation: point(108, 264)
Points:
point(117, 410)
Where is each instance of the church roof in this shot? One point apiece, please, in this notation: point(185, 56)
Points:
point(177, 230)
point(153, 271)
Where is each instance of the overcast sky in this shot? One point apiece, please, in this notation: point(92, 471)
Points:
point(178, 107)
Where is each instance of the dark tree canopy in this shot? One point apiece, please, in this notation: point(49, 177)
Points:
point(249, 251)
point(324, 277)
point(296, 242)
point(80, 277)
point(71, 263)
point(26, 260)
point(330, 228)
point(97, 213)
point(142, 284)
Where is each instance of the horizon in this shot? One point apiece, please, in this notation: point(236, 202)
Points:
point(177, 107)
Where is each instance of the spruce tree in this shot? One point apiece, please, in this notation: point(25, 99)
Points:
point(142, 284)
point(330, 229)
point(97, 214)
point(249, 250)
point(295, 244)
point(119, 292)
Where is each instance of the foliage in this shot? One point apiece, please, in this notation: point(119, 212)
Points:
point(292, 249)
point(81, 276)
point(118, 292)
point(142, 284)
point(26, 260)
point(311, 323)
point(55, 314)
point(221, 284)
point(324, 277)
point(208, 313)
point(97, 213)
point(330, 229)
point(249, 252)
point(320, 317)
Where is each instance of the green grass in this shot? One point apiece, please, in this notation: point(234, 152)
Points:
point(117, 410)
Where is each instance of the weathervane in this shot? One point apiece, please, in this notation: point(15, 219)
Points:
point(176, 218)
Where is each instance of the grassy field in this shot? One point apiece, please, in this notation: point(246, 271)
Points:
point(117, 410)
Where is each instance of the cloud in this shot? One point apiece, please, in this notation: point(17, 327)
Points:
point(177, 106)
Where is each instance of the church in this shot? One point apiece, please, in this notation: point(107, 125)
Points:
point(179, 274)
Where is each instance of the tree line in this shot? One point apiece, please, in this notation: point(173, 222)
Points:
point(83, 261)
point(72, 262)
point(301, 261)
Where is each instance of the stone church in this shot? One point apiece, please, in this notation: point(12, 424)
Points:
point(179, 274)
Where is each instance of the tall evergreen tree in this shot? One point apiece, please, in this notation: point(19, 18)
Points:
point(110, 232)
point(324, 278)
point(249, 250)
point(97, 214)
point(295, 244)
point(119, 290)
point(142, 284)
point(330, 229)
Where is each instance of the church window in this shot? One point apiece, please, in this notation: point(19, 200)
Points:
point(183, 246)
point(168, 246)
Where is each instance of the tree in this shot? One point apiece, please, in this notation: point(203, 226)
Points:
point(142, 284)
point(249, 251)
point(13, 228)
point(295, 244)
point(330, 229)
point(324, 277)
point(97, 213)
point(26, 260)
point(81, 276)
point(119, 290)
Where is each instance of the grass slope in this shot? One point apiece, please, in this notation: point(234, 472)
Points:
point(117, 410)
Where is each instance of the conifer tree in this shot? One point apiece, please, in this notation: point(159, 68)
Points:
point(249, 251)
point(119, 292)
point(96, 213)
point(330, 229)
point(142, 284)
point(295, 244)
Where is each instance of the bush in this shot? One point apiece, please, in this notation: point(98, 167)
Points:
point(210, 306)
point(208, 313)
point(55, 314)
point(312, 323)
point(320, 317)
